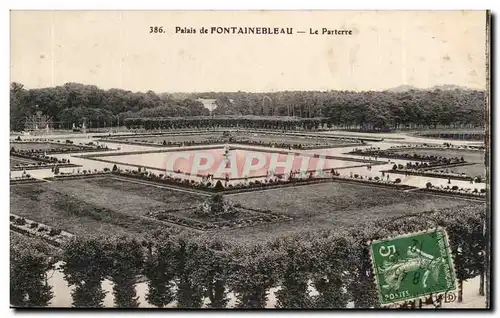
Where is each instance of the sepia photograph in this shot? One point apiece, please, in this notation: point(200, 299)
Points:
point(209, 160)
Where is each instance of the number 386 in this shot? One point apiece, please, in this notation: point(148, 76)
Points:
point(155, 29)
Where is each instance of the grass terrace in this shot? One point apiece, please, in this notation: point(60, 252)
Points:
point(243, 137)
point(334, 205)
point(28, 146)
point(170, 138)
point(99, 205)
point(14, 161)
point(111, 204)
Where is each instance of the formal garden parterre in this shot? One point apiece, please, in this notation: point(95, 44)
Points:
point(130, 223)
point(445, 161)
point(97, 205)
point(218, 213)
point(113, 203)
point(56, 146)
point(33, 155)
point(259, 138)
point(334, 261)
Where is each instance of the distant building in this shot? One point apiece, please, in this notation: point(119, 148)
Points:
point(208, 104)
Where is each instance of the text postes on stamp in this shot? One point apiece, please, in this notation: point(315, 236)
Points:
point(411, 266)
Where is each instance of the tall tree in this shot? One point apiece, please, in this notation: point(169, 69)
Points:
point(212, 270)
point(85, 266)
point(126, 255)
point(296, 265)
point(160, 269)
point(254, 271)
point(189, 290)
point(28, 276)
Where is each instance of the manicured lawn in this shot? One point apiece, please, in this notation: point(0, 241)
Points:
point(333, 205)
point(41, 145)
point(469, 156)
point(110, 206)
point(471, 170)
point(176, 138)
point(243, 217)
point(289, 139)
point(20, 161)
point(96, 205)
point(476, 157)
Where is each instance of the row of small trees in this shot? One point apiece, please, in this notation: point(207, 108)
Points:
point(286, 123)
point(187, 270)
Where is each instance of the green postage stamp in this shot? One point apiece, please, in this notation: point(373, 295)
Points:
point(414, 265)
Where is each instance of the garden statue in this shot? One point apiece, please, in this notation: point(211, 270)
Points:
point(226, 155)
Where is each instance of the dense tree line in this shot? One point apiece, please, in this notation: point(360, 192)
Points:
point(368, 110)
point(190, 269)
point(73, 102)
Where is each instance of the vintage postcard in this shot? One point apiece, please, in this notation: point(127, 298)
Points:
point(250, 159)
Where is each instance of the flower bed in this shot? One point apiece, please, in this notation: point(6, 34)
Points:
point(80, 175)
point(428, 160)
point(254, 185)
point(212, 187)
point(41, 165)
point(242, 218)
point(51, 235)
point(72, 148)
point(375, 181)
point(40, 158)
point(438, 146)
point(456, 191)
point(452, 176)
point(20, 180)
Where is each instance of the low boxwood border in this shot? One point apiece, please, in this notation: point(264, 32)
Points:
point(23, 181)
point(430, 175)
point(60, 150)
point(34, 232)
point(259, 186)
point(78, 176)
point(479, 197)
point(44, 166)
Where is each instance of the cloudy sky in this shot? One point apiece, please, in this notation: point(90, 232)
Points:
point(114, 49)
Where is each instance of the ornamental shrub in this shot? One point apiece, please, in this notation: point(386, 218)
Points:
point(20, 221)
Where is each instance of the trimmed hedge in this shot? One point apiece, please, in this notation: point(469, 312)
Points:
point(336, 262)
